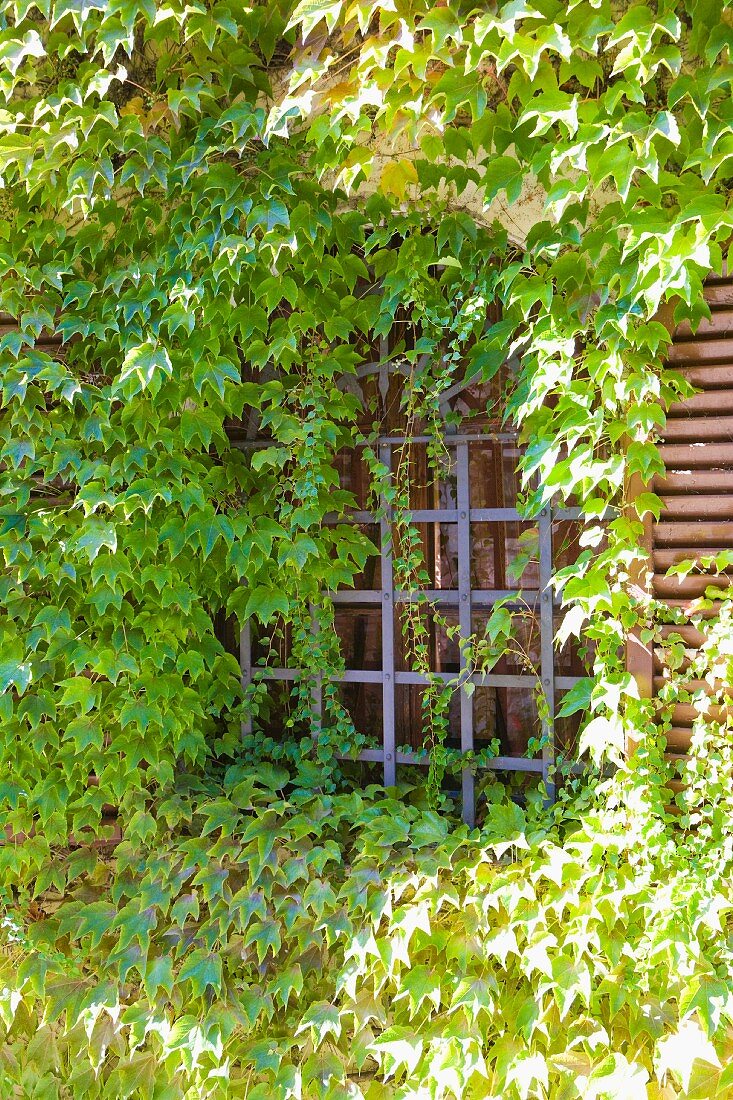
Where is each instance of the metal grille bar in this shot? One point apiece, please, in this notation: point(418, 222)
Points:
point(374, 676)
point(245, 667)
point(466, 599)
point(442, 515)
point(481, 597)
point(388, 629)
point(547, 656)
point(464, 622)
point(389, 440)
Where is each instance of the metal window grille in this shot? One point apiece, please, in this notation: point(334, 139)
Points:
point(464, 599)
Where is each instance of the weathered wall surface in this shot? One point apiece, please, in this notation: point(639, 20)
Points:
point(517, 217)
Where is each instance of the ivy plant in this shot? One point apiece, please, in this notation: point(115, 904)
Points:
point(209, 213)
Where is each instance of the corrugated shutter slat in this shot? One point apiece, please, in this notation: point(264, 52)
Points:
point(696, 491)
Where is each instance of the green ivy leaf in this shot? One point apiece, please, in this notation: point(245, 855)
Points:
point(202, 968)
point(265, 603)
point(503, 174)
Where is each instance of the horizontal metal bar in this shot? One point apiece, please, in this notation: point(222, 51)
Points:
point(435, 515)
point(376, 676)
point(358, 676)
point(388, 440)
point(413, 515)
point(503, 680)
point(480, 597)
point(432, 515)
point(373, 756)
point(355, 596)
point(512, 764)
point(476, 515)
point(494, 515)
point(480, 679)
point(447, 438)
point(497, 763)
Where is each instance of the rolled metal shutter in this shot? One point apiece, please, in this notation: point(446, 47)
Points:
point(696, 491)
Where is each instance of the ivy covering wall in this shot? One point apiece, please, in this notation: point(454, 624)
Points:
point(184, 242)
point(175, 213)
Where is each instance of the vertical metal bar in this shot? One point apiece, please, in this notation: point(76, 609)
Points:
point(245, 670)
point(316, 685)
point(547, 651)
point(388, 628)
point(463, 502)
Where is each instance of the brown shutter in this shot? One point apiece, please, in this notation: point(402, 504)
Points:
point(697, 489)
